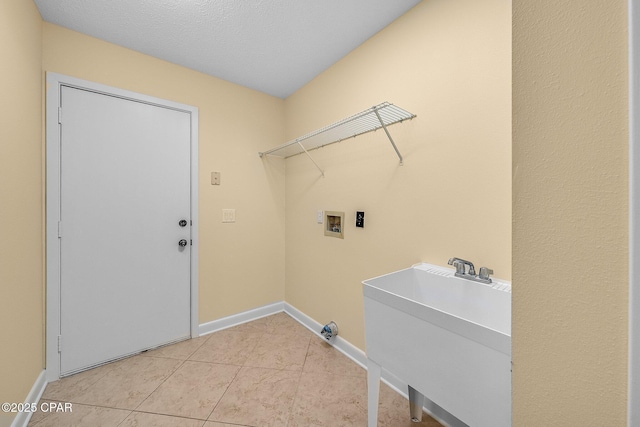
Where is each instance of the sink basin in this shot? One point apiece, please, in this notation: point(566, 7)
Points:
point(447, 337)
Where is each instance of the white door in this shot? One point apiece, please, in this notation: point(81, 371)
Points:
point(124, 188)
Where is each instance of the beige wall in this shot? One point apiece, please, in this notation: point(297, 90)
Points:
point(241, 264)
point(449, 62)
point(570, 213)
point(21, 206)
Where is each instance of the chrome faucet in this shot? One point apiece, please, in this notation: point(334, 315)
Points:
point(461, 270)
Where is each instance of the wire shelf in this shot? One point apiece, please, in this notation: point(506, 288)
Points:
point(374, 118)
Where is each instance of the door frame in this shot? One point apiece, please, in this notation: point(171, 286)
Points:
point(633, 399)
point(54, 84)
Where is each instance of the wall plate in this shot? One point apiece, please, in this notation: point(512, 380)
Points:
point(334, 224)
point(228, 215)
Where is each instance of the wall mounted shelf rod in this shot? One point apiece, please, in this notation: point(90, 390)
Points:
point(311, 158)
point(375, 110)
point(379, 116)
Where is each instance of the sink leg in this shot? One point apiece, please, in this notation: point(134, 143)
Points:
point(416, 402)
point(373, 379)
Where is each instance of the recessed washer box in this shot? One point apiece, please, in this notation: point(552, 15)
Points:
point(334, 224)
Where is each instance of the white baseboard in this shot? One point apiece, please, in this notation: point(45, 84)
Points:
point(244, 317)
point(22, 419)
point(342, 345)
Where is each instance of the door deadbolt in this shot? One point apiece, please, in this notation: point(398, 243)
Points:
point(182, 223)
point(182, 243)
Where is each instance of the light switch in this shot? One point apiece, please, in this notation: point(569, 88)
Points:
point(320, 217)
point(215, 178)
point(228, 215)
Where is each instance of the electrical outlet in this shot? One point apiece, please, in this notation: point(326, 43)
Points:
point(320, 217)
point(360, 219)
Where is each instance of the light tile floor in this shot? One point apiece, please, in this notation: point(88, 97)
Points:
point(269, 372)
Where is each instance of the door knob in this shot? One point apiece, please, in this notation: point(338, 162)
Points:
point(182, 223)
point(182, 243)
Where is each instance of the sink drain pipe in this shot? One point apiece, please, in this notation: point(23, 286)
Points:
point(329, 330)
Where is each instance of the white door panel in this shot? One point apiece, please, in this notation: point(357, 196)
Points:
point(125, 185)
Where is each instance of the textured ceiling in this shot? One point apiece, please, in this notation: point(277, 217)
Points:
point(274, 46)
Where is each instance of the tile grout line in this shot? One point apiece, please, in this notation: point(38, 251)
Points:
point(183, 361)
point(125, 418)
point(89, 386)
point(163, 381)
point(169, 415)
point(233, 379)
point(295, 395)
point(225, 392)
point(263, 334)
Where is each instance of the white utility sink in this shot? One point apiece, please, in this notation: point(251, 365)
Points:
point(447, 337)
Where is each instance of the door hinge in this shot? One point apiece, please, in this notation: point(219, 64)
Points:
point(60, 115)
point(191, 242)
point(59, 343)
point(59, 229)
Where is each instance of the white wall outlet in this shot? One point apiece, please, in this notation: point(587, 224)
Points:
point(215, 178)
point(320, 217)
point(228, 215)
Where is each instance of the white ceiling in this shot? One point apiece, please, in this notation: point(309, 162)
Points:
point(274, 46)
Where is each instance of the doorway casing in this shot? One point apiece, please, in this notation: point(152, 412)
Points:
point(54, 83)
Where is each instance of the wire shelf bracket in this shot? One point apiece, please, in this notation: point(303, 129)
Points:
point(379, 116)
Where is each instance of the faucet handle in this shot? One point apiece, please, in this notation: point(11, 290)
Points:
point(458, 264)
point(485, 272)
